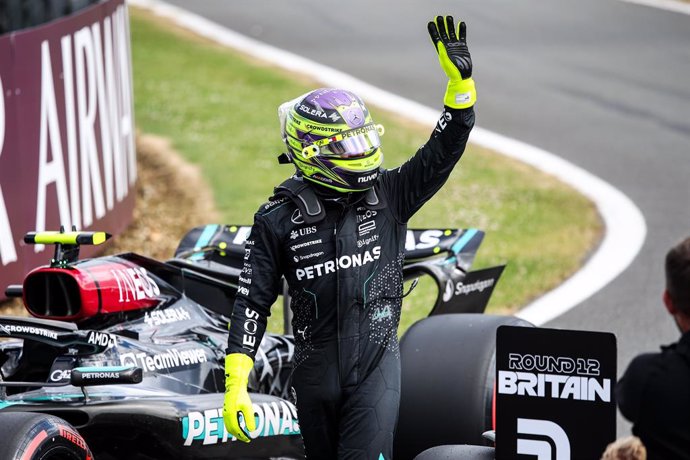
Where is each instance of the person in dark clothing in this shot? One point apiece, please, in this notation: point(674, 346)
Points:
point(336, 232)
point(654, 392)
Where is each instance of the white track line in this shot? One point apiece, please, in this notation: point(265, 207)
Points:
point(625, 225)
point(669, 5)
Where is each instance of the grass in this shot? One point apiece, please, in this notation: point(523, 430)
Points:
point(218, 108)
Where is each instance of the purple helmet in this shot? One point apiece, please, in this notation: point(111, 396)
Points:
point(332, 139)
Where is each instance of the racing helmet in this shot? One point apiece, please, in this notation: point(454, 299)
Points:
point(332, 140)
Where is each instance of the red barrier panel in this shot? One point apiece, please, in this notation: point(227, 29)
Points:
point(67, 153)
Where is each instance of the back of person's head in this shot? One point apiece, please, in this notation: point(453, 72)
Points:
point(678, 275)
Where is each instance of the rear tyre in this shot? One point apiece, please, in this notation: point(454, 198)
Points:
point(33, 436)
point(448, 373)
point(457, 453)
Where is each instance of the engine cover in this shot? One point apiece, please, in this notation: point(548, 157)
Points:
point(89, 288)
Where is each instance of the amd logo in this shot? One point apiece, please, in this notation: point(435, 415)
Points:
point(553, 445)
point(102, 338)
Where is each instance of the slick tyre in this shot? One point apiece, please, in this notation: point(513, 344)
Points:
point(458, 453)
point(32, 436)
point(447, 388)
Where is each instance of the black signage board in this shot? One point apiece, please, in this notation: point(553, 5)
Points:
point(554, 393)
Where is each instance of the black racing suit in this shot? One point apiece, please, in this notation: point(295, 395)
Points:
point(342, 259)
point(654, 394)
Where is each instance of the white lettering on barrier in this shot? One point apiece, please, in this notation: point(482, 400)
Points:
point(106, 148)
point(98, 175)
point(8, 253)
point(86, 110)
point(52, 171)
point(119, 167)
point(124, 59)
point(70, 123)
point(2, 115)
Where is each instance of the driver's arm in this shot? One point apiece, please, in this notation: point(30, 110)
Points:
point(417, 180)
point(258, 288)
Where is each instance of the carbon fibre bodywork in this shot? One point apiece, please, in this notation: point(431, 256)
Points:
point(169, 319)
point(175, 412)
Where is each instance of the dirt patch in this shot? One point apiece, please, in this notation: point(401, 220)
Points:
point(171, 198)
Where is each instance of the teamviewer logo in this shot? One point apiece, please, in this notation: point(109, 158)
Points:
point(542, 438)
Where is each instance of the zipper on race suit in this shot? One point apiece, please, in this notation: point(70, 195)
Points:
point(338, 226)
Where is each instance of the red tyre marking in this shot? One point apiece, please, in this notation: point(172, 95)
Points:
point(33, 445)
point(72, 436)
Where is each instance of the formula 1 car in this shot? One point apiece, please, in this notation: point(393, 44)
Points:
point(123, 355)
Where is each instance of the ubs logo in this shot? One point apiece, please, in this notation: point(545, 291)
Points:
point(304, 231)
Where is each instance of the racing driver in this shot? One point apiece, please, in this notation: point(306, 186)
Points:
point(336, 232)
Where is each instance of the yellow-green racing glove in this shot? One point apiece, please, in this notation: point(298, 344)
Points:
point(237, 406)
point(455, 60)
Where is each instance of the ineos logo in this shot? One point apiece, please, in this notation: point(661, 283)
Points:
point(297, 217)
point(554, 446)
point(443, 121)
point(250, 328)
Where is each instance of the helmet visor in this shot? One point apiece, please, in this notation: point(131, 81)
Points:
point(352, 143)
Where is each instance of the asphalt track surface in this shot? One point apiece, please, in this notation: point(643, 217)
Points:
point(603, 84)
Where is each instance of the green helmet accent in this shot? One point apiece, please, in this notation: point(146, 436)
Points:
point(332, 139)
